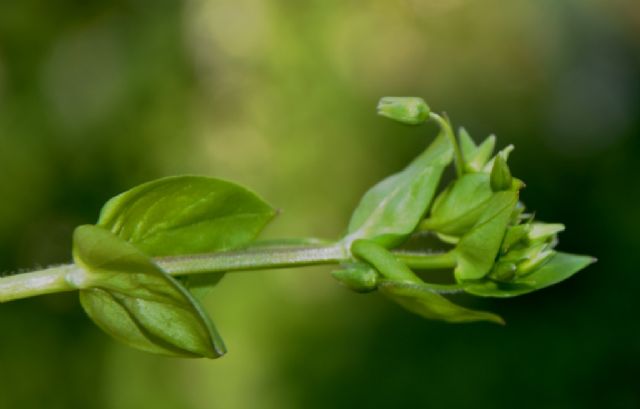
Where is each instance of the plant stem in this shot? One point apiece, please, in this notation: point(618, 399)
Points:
point(445, 125)
point(427, 261)
point(257, 258)
point(62, 278)
point(49, 280)
point(268, 257)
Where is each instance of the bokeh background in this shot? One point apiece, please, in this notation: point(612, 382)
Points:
point(280, 95)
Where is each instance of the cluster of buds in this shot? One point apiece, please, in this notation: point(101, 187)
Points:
point(525, 248)
point(497, 250)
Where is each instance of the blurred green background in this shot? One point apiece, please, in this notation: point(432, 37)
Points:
point(280, 95)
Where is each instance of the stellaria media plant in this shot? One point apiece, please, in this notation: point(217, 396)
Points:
point(157, 249)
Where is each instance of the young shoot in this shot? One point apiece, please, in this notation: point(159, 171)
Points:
point(156, 250)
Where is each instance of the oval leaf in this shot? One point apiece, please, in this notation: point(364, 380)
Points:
point(186, 215)
point(134, 301)
point(391, 210)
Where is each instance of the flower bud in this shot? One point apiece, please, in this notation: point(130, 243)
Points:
point(544, 231)
point(408, 110)
point(514, 236)
point(500, 175)
point(534, 261)
point(503, 271)
point(359, 278)
point(525, 248)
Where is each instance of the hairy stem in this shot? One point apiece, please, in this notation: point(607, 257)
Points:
point(49, 280)
point(257, 258)
point(62, 278)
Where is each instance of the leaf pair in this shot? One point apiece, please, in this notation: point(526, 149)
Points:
point(133, 300)
point(128, 295)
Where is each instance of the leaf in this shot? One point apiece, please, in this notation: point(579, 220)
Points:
point(200, 285)
point(186, 215)
point(392, 209)
point(460, 206)
point(421, 300)
point(477, 250)
point(560, 267)
point(134, 301)
point(407, 289)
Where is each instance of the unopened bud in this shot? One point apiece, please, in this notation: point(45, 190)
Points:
point(500, 175)
point(359, 278)
point(514, 235)
point(408, 110)
point(544, 231)
point(503, 272)
point(534, 262)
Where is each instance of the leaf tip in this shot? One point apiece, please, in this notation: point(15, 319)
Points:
point(499, 320)
point(217, 351)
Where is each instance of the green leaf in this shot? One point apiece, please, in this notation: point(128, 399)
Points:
point(477, 250)
point(459, 206)
point(407, 289)
point(383, 261)
point(390, 211)
point(200, 285)
point(559, 267)
point(421, 300)
point(186, 215)
point(134, 301)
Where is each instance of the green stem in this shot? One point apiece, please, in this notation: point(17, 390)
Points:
point(445, 125)
point(260, 258)
point(257, 258)
point(49, 280)
point(62, 278)
point(428, 261)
